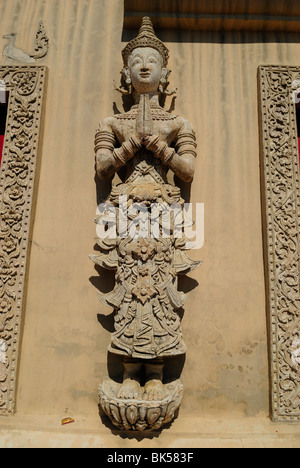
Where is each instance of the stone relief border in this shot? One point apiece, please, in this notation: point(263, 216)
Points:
point(281, 200)
point(26, 86)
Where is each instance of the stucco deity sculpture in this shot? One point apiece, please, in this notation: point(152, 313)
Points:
point(147, 142)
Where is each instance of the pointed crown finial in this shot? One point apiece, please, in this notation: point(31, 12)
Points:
point(146, 26)
point(146, 38)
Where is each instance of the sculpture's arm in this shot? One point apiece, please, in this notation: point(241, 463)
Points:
point(109, 157)
point(181, 158)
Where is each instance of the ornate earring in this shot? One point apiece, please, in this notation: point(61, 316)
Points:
point(162, 83)
point(128, 81)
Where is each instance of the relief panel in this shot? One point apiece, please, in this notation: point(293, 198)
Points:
point(281, 205)
point(25, 85)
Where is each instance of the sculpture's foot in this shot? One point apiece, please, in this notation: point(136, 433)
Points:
point(130, 390)
point(154, 390)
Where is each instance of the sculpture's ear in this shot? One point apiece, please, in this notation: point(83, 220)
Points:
point(126, 75)
point(164, 73)
point(164, 83)
point(126, 86)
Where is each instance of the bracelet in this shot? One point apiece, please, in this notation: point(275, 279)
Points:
point(126, 151)
point(167, 156)
point(135, 145)
point(162, 151)
point(118, 156)
point(105, 140)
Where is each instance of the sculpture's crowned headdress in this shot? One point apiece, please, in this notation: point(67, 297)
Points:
point(146, 38)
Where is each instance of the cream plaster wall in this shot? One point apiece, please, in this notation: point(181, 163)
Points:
point(63, 353)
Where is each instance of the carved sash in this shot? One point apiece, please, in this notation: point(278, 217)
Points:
point(17, 176)
point(281, 200)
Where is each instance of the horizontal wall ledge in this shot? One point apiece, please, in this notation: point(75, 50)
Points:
point(254, 15)
point(214, 22)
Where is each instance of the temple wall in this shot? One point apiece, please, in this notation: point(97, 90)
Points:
point(65, 334)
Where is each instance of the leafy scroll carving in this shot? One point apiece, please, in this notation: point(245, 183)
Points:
point(281, 198)
point(17, 175)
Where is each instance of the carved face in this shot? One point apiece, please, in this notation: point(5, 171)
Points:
point(145, 68)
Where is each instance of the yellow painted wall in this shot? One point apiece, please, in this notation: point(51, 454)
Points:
point(63, 353)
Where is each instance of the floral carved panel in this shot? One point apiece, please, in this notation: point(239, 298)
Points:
point(25, 85)
point(281, 200)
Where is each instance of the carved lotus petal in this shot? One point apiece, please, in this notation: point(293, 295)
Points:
point(153, 415)
point(171, 411)
point(132, 414)
point(115, 413)
point(143, 413)
point(105, 406)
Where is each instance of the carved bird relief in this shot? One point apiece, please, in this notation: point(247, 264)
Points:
point(12, 52)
